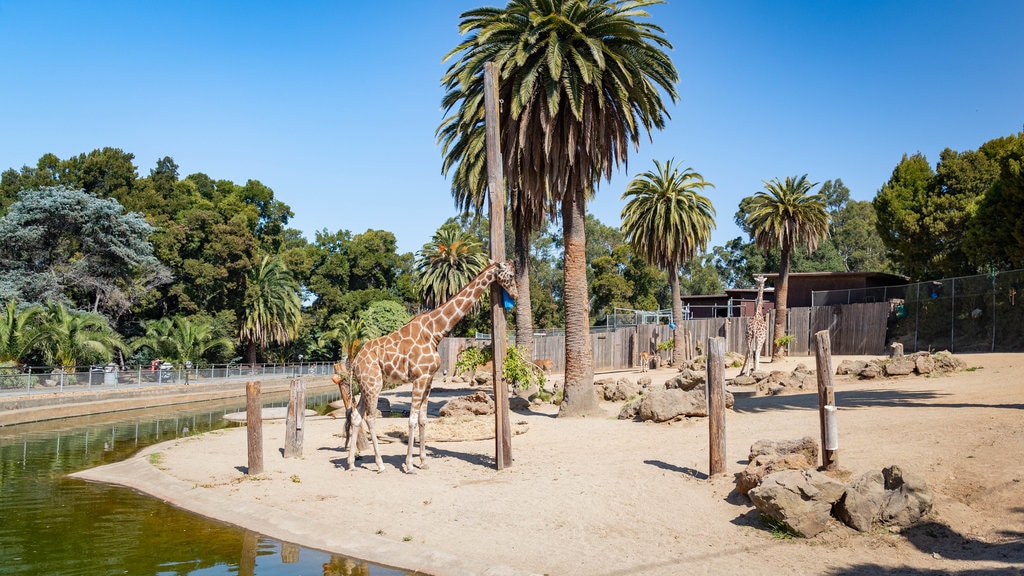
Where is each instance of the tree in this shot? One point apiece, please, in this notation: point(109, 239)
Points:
point(786, 215)
point(383, 317)
point(448, 262)
point(580, 80)
point(180, 339)
point(63, 244)
point(272, 312)
point(668, 222)
point(16, 332)
point(69, 338)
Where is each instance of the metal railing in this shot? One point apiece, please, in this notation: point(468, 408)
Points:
point(42, 380)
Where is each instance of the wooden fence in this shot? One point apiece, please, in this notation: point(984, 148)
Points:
point(854, 329)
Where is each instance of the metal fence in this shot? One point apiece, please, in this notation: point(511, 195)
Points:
point(41, 380)
point(967, 314)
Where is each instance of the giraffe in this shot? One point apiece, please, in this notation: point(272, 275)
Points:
point(757, 330)
point(409, 354)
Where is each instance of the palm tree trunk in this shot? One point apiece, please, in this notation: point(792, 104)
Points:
point(781, 295)
point(524, 308)
point(579, 398)
point(677, 316)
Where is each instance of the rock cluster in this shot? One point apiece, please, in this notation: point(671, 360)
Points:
point(783, 484)
point(920, 363)
point(680, 396)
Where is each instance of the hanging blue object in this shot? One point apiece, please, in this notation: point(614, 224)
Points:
point(507, 300)
point(672, 326)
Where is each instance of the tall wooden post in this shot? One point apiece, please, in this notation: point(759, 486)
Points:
point(716, 406)
point(826, 401)
point(295, 420)
point(254, 427)
point(496, 195)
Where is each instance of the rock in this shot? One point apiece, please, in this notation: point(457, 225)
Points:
point(801, 499)
point(664, 405)
point(907, 498)
point(476, 403)
point(743, 380)
point(687, 380)
point(946, 362)
point(631, 409)
point(768, 456)
point(861, 504)
point(848, 367)
point(871, 371)
point(924, 365)
point(618, 390)
point(519, 403)
point(890, 497)
point(899, 367)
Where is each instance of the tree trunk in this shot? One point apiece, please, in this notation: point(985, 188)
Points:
point(579, 398)
point(524, 308)
point(677, 317)
point(781, 295)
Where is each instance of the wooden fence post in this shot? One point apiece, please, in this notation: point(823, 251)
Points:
point(716, 406)
point(295, 420)
point(826, 401)
point(254, 427)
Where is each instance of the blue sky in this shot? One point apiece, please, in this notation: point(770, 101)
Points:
point(334, 104)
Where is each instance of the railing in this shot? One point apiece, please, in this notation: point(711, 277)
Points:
point(42, 380)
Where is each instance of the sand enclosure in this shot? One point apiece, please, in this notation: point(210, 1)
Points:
point(608, 496)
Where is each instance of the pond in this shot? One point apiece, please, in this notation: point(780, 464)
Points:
point(51, 524)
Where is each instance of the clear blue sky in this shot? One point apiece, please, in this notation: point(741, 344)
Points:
point(334, 104)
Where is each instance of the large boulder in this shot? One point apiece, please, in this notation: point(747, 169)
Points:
point(617, 390)
point(801, 499)
point(478, 403)
point(768, 456)
point(665, 405)
point(890, 497)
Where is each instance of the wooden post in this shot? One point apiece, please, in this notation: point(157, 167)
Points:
point(716, 405)
point(295, 420)
point(254, 427)
point(496, 195)
point(826, 401)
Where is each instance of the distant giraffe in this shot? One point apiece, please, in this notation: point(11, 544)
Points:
point(409, 354)
point(757, 331)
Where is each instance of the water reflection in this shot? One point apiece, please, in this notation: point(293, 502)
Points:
point(51, 524)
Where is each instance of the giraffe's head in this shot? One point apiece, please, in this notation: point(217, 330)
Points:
point(760, 280)
point(505, 274)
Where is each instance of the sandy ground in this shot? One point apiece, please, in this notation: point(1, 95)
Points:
point(605, 496)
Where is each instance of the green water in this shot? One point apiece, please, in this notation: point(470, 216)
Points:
point(51, 524)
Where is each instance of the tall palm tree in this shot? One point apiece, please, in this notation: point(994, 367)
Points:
point(579, 81)
point(180, 340)
point(16, 332)
point(68, 338)
point(786, 215)
point(451, 259)
point(272, 311)
point(668, 222)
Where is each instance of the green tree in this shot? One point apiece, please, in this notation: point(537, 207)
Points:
point(580, 81)
point(668, 222)
point(995, 236)
point(69, 338)
point(63, 244)
point(16, 332)
point(786, 215)
point(180, 339)
point(272, 312)
point(384, 317)
point(451, 260)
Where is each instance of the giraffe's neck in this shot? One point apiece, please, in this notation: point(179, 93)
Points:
point(443, 318)
point(759, 303)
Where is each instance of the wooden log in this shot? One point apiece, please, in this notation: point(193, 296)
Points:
point(254, 427)
point(826, 398)
point(716, 405)
point(496, 197)
point(295, 420)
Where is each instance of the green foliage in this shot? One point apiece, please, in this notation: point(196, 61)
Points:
point(180, 339)
point(665, 345)
point(272, 310)
point(519, 371)
point(785, 340)
point(451, 260)
point(471, 357)
point(384, 317)
point(68, 338)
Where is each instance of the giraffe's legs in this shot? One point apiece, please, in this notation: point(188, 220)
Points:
point(362, 418)
point(418, 420)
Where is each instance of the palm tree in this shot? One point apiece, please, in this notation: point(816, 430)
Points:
point(272, 311)
point(180, 340)
point(579, 81)
point(448, 262)
point(667, 222)
point(786, 215)
point(68, 338)
point(16, 333)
